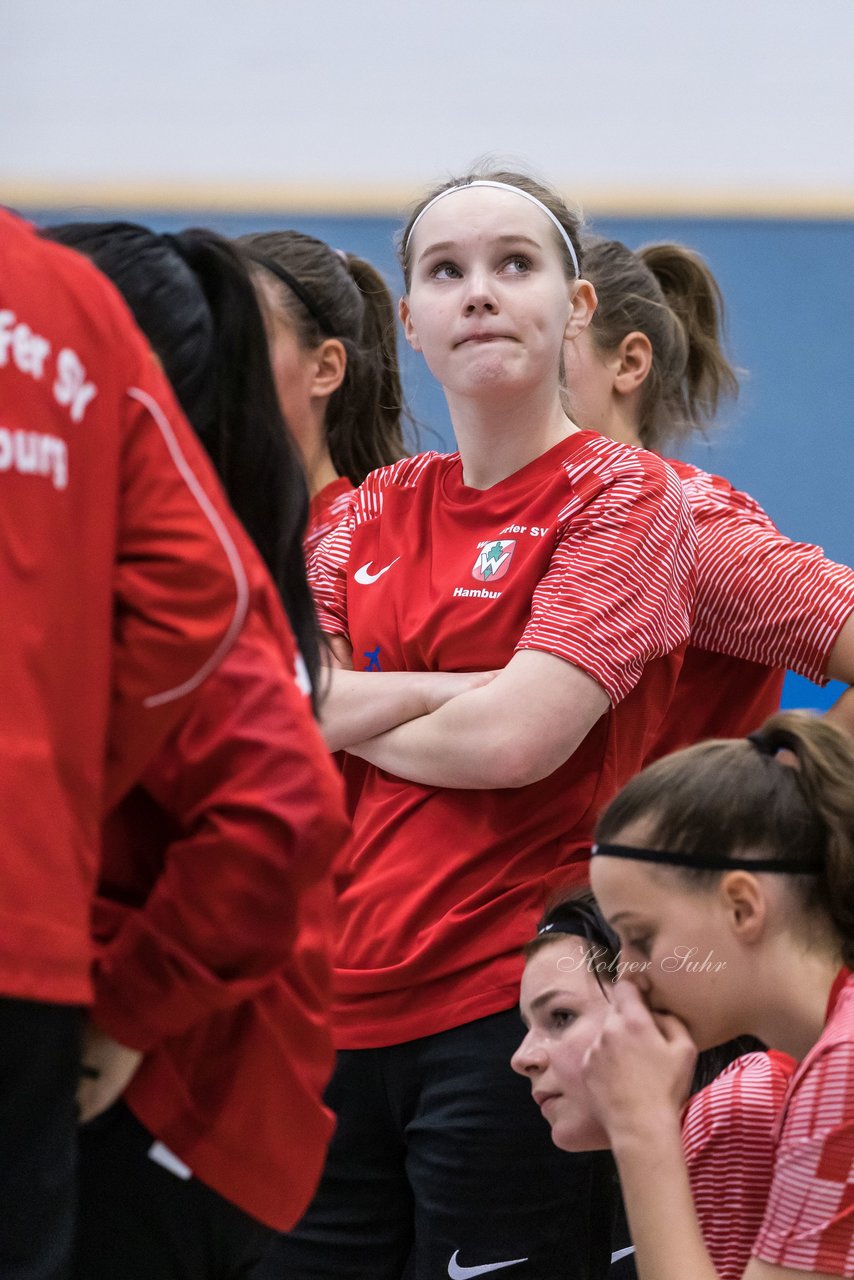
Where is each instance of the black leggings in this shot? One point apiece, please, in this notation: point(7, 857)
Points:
point(39, 1073)
point(140, 1221)
point(442, 1164)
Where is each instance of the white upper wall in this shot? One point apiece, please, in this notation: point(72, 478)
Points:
point(706, 105)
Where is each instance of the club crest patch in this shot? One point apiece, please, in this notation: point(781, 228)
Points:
point(493, 559)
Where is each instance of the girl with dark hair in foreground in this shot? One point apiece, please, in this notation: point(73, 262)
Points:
point(214, 906)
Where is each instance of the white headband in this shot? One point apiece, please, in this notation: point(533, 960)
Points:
point(501, 186)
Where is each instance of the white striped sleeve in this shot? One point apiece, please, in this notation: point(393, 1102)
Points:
point(728, 1138)
point(328, 565)
point(809, 1218)
point(762, 597)
point(327, 577)
point(619, 588)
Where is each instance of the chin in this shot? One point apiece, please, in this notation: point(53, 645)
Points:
point(582, 1137)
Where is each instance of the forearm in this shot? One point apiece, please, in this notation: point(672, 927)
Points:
point(662, 1220)
point(510, 732)
point(442, 749)
point(358, 705)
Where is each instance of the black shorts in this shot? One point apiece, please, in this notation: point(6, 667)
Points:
point(140, 1220)
point(442, 1166)
point(39, 1074)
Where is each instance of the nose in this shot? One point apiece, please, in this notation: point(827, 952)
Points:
point(529, 1057)
point(637, 972)
point(480, 294)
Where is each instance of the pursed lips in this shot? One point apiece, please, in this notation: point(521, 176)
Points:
point(483, 337)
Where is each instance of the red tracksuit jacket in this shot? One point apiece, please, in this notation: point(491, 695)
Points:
point(214, 915)
point(122, 585)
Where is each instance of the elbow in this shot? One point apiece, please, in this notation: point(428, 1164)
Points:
point(519, 763)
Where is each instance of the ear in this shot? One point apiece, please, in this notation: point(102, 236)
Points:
point(582, 305)
point(405, 316)
point(745, 905)
point(330, 366)
point(635, 362)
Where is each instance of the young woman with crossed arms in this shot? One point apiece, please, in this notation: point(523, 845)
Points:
point(564, 562)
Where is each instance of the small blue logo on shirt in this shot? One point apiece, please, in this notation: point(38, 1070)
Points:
point(373, 656)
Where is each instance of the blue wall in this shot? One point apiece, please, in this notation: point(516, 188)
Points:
point(789, 288)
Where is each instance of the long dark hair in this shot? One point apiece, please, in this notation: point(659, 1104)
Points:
point(192, 297)
point(344, 297)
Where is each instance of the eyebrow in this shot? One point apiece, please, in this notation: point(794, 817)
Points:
point(443, 246)
point(546, 996)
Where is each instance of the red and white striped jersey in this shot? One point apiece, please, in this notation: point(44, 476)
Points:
point(764, 604)
point(809, 1220)
point(326, 510)
point(586, 553)
point(728, 1138)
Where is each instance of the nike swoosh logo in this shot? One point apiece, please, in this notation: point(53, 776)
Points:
point(622, 1253)
point(365, 576)
point(456, 1272)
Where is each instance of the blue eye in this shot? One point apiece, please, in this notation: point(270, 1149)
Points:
point(519, 265)
point(445, 271)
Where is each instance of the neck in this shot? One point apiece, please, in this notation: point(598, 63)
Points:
point(619, 424)
point(792, 1002)
point(316, 458)
point(498, 438)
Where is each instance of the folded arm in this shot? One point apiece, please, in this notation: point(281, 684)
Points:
point(362, 704)
point(513, 731)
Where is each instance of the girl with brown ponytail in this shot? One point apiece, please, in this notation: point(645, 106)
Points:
point(727, 871)
point(650, 370)
point(333, 347)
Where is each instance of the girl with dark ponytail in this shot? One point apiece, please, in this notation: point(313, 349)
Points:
point(650, 370)
point(192, 298)
point(333, 347)
point(208, 1049)
point(727, 871)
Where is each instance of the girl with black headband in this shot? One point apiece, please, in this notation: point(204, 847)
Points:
point(333, 347)
point(727, 871)
point(727, 1127)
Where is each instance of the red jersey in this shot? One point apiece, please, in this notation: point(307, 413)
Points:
point(728, 1135)
point(586, 553)
point(118, 558)
point(809, 1220)
point(764, 604)
point(326, 510)
point(213, 917)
